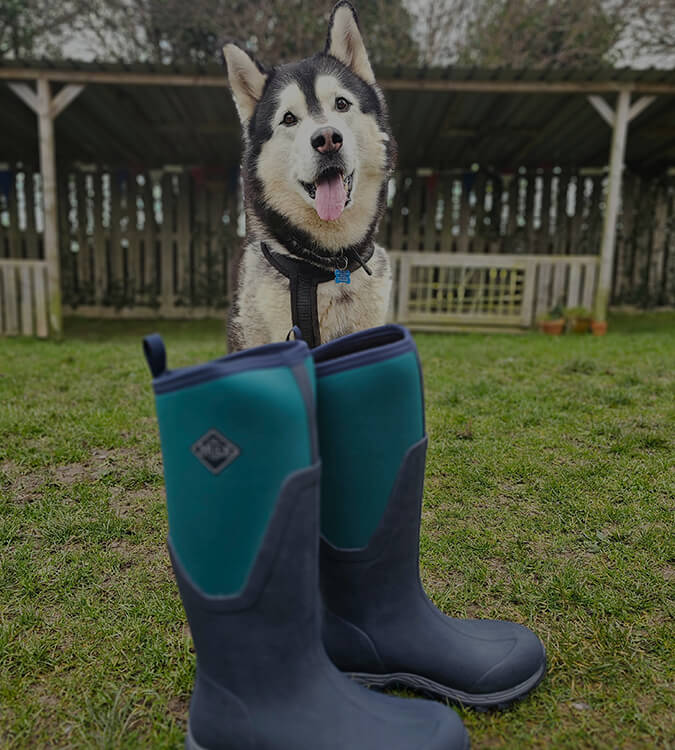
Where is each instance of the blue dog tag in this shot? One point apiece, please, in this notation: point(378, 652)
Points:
point(342, 276)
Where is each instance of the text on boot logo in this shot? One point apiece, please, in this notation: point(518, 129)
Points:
point(215, 451)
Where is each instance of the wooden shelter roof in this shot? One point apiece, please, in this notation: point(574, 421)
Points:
point(151, 115)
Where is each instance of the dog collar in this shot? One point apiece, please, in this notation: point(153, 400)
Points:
point(304, 277)
point(355, 258)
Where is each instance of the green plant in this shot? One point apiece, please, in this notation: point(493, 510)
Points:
point(577, 313)
point(555, 313)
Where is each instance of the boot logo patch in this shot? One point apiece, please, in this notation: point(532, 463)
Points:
point(215, 451)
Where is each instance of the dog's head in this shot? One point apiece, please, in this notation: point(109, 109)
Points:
point(318, 148)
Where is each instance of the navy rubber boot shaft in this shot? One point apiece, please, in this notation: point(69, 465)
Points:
point(380, 626)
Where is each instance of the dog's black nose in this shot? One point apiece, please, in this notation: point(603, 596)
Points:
point(326, 140)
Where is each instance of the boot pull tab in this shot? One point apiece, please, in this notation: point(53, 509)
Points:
point(297, 334)
point(155, 354)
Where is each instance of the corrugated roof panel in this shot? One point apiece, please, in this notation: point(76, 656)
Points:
point(156, 124)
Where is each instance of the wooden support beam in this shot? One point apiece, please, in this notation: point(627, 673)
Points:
point(617, 155)
point(64, 98)
point(47, 108)
point(525, 87)
point(161, 78)
point(603, 109)
point(618, 120)
point(26, 94)
point(122, 78)
point(608, 114)
point(639, 106)
point(49, 197)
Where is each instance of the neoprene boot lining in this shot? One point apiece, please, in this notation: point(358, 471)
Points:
point(380, 626)
point(247, 567)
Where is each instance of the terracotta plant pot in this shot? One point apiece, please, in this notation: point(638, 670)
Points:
point(552, 327)
point(599, 327)
point(580, 325)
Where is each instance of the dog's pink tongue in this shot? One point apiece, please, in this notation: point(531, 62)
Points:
point(331, 197)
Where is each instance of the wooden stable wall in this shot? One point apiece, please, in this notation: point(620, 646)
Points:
point(552, 212)
point(132, 242)
point(146, 243)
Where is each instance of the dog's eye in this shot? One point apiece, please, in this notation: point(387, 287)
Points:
point(289, 119)
point(341, 104)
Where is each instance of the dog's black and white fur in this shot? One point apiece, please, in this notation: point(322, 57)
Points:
point(282, 110)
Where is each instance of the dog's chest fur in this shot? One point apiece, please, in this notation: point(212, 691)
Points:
point(263, 312)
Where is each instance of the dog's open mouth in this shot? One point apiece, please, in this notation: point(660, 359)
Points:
point(331, 193)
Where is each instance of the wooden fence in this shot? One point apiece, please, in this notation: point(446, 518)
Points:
point(23, 298)
point(146, 243)
point(434, 291)
point(132, 243)
point(552, 212)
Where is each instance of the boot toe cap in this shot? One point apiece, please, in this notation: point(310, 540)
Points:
point(523, 660)
point(411, 723)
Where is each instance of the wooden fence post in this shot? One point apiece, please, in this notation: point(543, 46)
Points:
point(619, 121)
point(47, 109)
point(612, 208)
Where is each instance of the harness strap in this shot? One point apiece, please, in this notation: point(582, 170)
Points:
point(303, 280)
point(357, 259)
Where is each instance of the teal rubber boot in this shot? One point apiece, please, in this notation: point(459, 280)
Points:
point(240, 452)
point(379, 624)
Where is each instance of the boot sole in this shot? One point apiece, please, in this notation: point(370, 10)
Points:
point(191, 743)
point(480, 701)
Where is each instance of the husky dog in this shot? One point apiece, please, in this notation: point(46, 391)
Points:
point(318, 152)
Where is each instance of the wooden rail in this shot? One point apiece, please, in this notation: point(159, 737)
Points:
point(438, 290)
point(167, 77)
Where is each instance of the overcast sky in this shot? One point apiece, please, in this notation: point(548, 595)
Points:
point(84, 47)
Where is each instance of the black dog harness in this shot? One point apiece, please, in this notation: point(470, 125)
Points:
point(304, 278)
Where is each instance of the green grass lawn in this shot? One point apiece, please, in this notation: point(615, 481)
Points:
point(549, 500)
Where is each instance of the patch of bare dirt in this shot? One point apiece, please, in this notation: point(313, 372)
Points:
point(442, 582)
point(132, 554)
point(27, 485)
point(24, 486)
point(129, 503)
point(178, 707)
point(580, 558)
point(100, 463)
point(71, 474)
point(48, 700)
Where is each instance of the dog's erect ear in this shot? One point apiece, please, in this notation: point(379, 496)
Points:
point(345, 41)
point(247, 80)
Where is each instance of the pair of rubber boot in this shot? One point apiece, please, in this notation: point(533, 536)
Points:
point(294, 484)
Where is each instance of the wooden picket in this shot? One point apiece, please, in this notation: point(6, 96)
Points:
point(23, 298)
